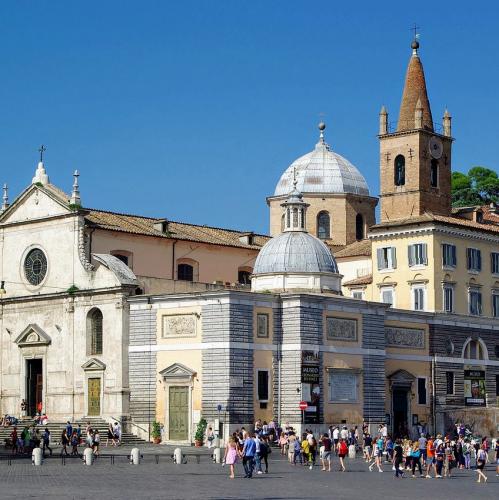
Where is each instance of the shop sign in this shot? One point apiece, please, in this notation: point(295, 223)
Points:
point(474, 388)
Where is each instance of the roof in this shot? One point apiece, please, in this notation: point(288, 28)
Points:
point(414, 92)
point(355, 249)
point(135, 224)
point(364, 280)
point(486, 226)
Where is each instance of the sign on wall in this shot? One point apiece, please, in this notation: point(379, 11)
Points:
point(310, 371)
point(474, 388)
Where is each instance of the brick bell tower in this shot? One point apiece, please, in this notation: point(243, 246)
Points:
point(415, 160)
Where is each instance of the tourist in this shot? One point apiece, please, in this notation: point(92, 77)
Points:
point(342, 453)
point(389, 449)
point(264, 453)
point(110, 435)
point(344, 433)
point(74, 443)
point(69, 430)
point(326, 444)
point(283, 443)
point(481, 460)
point(336, 437)
point(305, 450)
point(467, 453)
point(24, 408)
point(230, 456)
point(89, 437)
point(312, 446)
point(210, 437)
point(78, 433)
point(25, 438)
point(397, 458)
point(258, 465)
point(416, 459)
point(449, 460)
point(368, 442)
point(248, 455)
point(46, 441)
point(439, 457)
point(292, 446)
point(377, 454)
point(64, 442)
point(96, 442)
point(422, 448)
point(13, 440)
point(430, 456)
point(117, 433)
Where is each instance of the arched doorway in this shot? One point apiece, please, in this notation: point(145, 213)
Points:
point(401, 383)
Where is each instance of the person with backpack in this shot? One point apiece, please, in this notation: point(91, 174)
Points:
point(342, 453)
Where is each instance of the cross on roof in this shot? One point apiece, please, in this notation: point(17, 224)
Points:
point(415, 28)
point(42, 150)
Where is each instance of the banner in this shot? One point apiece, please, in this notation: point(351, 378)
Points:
point(474, 388)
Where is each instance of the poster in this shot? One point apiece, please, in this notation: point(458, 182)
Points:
point(474, 388)
point(310, 372)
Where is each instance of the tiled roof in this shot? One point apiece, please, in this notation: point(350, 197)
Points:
point(135, 224)
point(364, 280)
point(355, 249)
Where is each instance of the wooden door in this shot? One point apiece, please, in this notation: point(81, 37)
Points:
point(179, 413)
point(39, 391)
point(93, 397)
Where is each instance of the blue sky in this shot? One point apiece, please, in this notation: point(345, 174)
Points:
point(191, 110)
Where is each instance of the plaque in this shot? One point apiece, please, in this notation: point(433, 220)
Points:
point(341, 329)
point(404, 337)
point(181, 325)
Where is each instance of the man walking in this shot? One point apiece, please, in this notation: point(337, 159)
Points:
point(248, 453)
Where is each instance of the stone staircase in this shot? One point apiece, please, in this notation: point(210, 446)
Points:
point(127, 438)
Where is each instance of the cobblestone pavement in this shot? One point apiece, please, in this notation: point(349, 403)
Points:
point(206, 480)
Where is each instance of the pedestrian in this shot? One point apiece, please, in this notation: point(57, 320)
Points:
point(110, 435)
point(248, 455)
point(283, 442)
point(342, 453)
point(64, 442)
point(430, 456)
point(397, 458)
point(389, 449)
point(78, 433)
point(481, 460)
point(416, 458)
point(439, 457)
point(336, 438)
point(265, 451)
point(305, 450)
point(117, 433)
point(230, 457)
point(377, 454)
point(96, 442)
point(69, 429)
point(326, 452)
point(24, 408)
point(312, 446)
point(368, 442)
point(46, 441)
point(90, 437)
point(13, 440)
point(467, 453)
point(74, 443)
point(258, 464)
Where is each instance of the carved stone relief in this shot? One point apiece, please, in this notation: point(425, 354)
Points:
point(341, 329)
point(404, 337)
point(181, 325)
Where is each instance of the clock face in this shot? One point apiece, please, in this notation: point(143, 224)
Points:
point(436, 148)
point(35, 266)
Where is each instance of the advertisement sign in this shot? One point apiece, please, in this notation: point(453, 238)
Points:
point(310, 372)
point(474, 388)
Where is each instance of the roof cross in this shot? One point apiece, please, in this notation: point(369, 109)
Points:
point(42, 150)
point(415, 28)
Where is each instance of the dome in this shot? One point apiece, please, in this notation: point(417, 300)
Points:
point(295, 252)
point(322, 171)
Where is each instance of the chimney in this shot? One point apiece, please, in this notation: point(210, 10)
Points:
point(161, 225)
point(447, 124)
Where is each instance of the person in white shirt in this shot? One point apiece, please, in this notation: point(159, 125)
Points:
point(336, 438)
point(344, 433)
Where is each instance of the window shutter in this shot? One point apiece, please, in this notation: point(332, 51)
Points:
point(425, 254)
point(411, 255)
point(393, 252)
point(380, 259)
point(479, 260)
point(468, 258)
point(454, 256)
point(479, 302)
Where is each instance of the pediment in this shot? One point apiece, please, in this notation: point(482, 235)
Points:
point(177, 370)
point(401, 377)
point(32, 335)
point(93, 364)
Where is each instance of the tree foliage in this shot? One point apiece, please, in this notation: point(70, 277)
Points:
point(479, 187)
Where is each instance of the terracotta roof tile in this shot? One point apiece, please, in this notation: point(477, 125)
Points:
point(364, 280)
point(355, 249)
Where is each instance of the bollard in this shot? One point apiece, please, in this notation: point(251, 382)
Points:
point(217, 455)
point(37, 456)
point(135, 456)
point(351, 451)
point(177, 456)
point(88, 456)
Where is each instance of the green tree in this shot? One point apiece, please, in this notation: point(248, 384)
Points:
point(479, 187)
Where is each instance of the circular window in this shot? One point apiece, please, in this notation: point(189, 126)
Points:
point(35, 266)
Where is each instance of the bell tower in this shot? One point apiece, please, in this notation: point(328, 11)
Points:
point(415, 158)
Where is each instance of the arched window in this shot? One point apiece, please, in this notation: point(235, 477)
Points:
point(474, 349)
point(399, 170)
point(94, 332)
point(359, 227)
point(434, 173)
point(185, 272)
point(244, 277)
point(323, 226)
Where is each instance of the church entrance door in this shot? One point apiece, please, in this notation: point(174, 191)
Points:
point(34, 385)
point(400, 412)
point(94, 397)
point(179, 413)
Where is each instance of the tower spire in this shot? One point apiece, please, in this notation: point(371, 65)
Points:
point(414, 90)
point(5, 203)
point(75, 194)
point(41, 174)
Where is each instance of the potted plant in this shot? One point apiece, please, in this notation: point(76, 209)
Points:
point(156, 432)
point(199, 436)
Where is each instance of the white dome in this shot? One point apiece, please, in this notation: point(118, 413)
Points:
point(322, 171)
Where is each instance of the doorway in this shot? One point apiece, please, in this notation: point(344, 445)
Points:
point(178, 413)
point(94, 397)
point(34, 386)
point(400, 413)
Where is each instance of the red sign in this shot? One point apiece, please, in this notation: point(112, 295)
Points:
point(303, 405)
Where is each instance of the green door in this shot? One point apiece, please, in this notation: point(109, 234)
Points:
point(93, 397)
point(179, 413)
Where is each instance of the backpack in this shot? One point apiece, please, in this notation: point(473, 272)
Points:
point(297, 445)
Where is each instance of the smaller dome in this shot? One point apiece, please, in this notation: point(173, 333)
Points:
point(295, 252)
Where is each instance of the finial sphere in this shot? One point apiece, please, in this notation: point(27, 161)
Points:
point(322, 126)
point(415, 45)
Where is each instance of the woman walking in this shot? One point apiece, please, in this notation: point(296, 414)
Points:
point(74, 443)
point(46, 441)
point(342, 453)
point(96, 442)
point(481, 460)
point(230, 457)
point(110, 435)
point(64, 442)
point(397, 458)
point(416, 459)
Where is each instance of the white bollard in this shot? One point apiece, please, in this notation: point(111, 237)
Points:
point(217, 455)
point(37, 456)
point(351, 451)
point(135, 456)
point(88, 456)
point(177, 456)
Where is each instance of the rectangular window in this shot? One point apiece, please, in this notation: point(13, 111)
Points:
point(497, 386)
point(450, 382)
point(475, 301)
point(448, 298)
point(494, 262)
point(449, 257)
point(262, 325)
point(421, 390)
point(358, 294)
point(418, 254)
point(418, 298)
point(495, 305)
point(474, 259)
point(387, 295)
point(387, 258)
point(343, 386)
point(263, 385)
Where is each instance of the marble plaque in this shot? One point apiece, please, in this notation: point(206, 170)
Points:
point(181, 325)
point(341, 329)
point(404, 337)
point(343, 386)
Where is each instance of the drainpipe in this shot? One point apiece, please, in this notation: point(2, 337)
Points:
point(173, 260)
point(433, 395)
point(279, 367)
